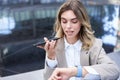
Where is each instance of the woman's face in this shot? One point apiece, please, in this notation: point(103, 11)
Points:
point(70, 24)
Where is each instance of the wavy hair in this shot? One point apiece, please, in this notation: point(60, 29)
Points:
point(86, 34)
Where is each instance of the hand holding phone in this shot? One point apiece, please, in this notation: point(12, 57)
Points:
point(42, 43)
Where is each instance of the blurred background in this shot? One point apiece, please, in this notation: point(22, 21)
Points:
point(25, 22)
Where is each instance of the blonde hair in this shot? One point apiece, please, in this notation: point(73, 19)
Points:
point(86, 32)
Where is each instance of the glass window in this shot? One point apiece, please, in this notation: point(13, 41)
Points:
point(60, 0)
point(37, 14)
point(43, 13)
point(53, 13)
point(7, 23)
point(17, 16)
point(22, 16)
point(47, 1)
point(11, 14)
point(4, 2)
point(27, 15)
point(48, 13)
point(37, 1)
point(0, 14)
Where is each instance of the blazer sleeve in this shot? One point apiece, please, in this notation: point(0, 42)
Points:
point(59, 49)
point(106, 67)
point(47, 71)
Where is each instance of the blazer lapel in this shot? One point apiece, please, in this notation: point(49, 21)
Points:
point(60, 49)
point(84, 58)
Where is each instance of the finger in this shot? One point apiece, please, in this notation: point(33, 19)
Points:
point(46, 39)
point(52, 44)
point(41, 47)
point(46, 47)
point(50, 78)
point(55, 77)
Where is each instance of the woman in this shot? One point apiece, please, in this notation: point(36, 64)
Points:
point(77, 46)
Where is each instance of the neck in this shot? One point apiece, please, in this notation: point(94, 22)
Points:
point(71, 40)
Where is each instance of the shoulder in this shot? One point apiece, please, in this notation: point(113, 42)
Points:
point(97, 44)
point(97, 48)
point(60, 41)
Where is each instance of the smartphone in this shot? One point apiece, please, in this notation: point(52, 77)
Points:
point(42, 43)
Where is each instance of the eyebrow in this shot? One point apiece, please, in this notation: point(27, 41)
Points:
point(70, 19)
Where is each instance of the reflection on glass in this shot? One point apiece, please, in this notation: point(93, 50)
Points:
point(6, 25)
point(110, 25)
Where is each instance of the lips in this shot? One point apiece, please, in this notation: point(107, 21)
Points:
point(69, 32)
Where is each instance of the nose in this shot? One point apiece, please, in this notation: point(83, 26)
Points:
point(68, 25)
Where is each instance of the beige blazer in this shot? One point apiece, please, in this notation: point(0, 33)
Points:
point(95, 57)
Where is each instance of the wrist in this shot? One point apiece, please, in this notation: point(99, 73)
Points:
point(84, 72)
point(79, 71)
point(51, 58)
point(73, 71)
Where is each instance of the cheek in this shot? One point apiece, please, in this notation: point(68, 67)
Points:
point(79, 26)
point(63, 26)
point(77, 29)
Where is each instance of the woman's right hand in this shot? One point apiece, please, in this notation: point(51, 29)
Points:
point(63, 73)
point(49, 47)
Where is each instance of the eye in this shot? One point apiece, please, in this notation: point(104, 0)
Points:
point(63, 21)
point(74, 21)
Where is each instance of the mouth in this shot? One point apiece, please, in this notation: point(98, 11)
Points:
point(69, 32)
